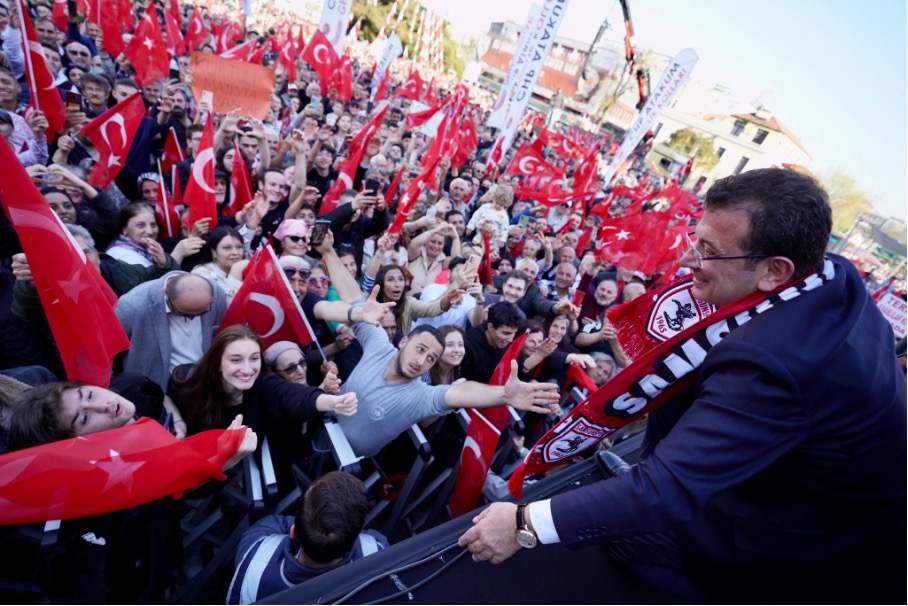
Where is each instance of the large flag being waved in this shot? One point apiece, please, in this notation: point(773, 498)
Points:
point(147, 51)
point(124, 15)
point(482, 438)
point(265, 303)
point(199, 196)
point(109, 471)
point(112, 134)
point(40, 79)
point(173, 152)
point(320, 55)
point(633, 242)
point(240, 52)
point(78, 303)
point(175, 44)
point(355, 152)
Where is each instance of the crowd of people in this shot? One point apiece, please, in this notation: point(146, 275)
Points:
point(407, 324)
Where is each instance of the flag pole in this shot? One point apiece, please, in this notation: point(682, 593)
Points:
point(30, 68)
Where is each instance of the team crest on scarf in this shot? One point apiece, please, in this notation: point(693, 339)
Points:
point(675, 310)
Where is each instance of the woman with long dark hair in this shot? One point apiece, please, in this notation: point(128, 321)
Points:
point(229, 380)
point(392, 285)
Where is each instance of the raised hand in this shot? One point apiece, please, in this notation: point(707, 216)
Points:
point(533, 397)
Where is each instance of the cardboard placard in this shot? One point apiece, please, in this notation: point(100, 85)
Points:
point(895, 310)
point(235, 84)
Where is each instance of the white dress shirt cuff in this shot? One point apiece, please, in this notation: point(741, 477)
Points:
point(540, 514)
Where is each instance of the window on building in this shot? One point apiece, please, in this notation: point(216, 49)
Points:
point(741, 164)
point(738, 128)
point(760, 136)
point(720, 151)
point(666, 164)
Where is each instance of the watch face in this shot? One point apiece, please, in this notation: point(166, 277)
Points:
point(526, 539)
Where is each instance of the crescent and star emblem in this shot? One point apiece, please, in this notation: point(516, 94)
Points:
point(206, 157)
point(272, 304)
point(116, 119)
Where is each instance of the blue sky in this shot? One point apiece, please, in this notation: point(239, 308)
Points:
point(837, 69)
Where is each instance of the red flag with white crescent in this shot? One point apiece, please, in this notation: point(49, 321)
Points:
point(165, 211)
point(78, 303)
point(40, 79)
point(199, 196)
point(147, 51)
point(321, 56)
point(527, 162)
point(266, 304)
point(60, 16)
point(482, 439)
point(633, 241)
point(196, 32)
point(431, 97)
point(112, 134)
point(240, 52)
point(287, 58)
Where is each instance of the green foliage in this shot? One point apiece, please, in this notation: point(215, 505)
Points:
point(686, 141)
point(374, 19)
point(848, 202)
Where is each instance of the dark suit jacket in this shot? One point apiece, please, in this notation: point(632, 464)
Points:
point(785, 468)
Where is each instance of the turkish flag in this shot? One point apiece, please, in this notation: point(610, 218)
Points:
point(109, 470)
point(196, 33)
point(341, 80)
point(431, 97)
point(482, 439)
point(112, 134)
point(355, 152)
point(125, 18)
point(494, 158)
point(300, 40)
point(406, 202)
point(40, 80)
point(173, 9)
point(175, 44)
point(60, 16)
point(467, 142)
point(78, 303)
point(105, 16)
point(165, 210)
point(419, 118)
point(240, 52)
point(321, 56)
point(392, 189)
point(147, 52)
point(527, 162)
point(485, 269)
point(173, 152)
point(634, 241)
point(563, 146)
point(199, 195)
point(434, 156)
point(586, 177)
point(258, 55)
point(576, 374)
point(382, 91)
point(265, 303)
point(240, 183)
point(287, 59)
point(412, 88)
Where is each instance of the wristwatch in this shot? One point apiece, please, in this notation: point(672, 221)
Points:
point(525, 536)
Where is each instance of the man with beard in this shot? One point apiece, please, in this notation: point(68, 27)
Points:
point(173, 112)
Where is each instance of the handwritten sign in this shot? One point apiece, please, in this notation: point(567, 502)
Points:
point(234, 84)
point(895, 310)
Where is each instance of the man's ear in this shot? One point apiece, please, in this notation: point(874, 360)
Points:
point(775, 271)
point(403, 341)
point(293, 531)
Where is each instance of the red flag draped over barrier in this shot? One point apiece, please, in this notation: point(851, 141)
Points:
point(77, 301)
point(347, 171)
point(266, 304)
point(147, 51)
point(39, 78)
point(482, 438)
point(112, 134)
point(109, 471)
point(199, 196)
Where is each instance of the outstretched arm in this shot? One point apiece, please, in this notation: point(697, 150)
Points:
point(531, 397)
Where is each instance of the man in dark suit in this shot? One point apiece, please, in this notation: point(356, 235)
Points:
point(780, 477)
